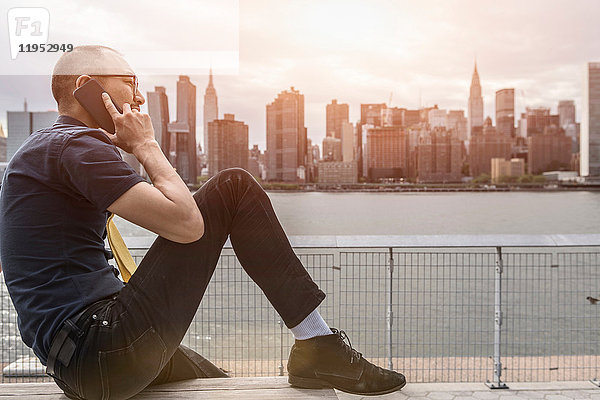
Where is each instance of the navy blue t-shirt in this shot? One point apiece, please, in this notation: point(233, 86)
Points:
point(53, 203)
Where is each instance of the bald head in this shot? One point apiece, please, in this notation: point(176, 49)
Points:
point(92, 60)
point(84, 60)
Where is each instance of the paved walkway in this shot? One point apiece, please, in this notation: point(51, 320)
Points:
point(478, 391)
point(278, 388)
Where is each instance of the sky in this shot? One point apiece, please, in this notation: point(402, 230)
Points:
point(414, 53)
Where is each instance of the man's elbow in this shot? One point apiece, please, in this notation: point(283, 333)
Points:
point(193, 228)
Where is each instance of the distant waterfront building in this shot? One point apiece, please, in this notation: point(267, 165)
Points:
point(505, 112)
point(475, 103)
point(22, 123)
point(487, 145)
point(337, 114)
point(347, 142)
point(332, 149)
point(2, 145)
point(457, 124)
point(256, 162)
point(337, 172)
point(573, 131)
point(184, 129)
point(411, 118)
point(561, 176)
point(3, 148)
point(316, 152)
point(590, 123)
point(566, 113)
point(397, 116)
point(286, 137)
point(387, 152)
point(514, 167)
point(211, 109)
point(522, 126)
point(437, 118)
point(439, 157)
point(158, 109)
point(539, 118)
point(549, 151)
point(228, 141)
point(370, 114)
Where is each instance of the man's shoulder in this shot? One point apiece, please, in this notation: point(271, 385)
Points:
point(77, 140)
point(82, 133)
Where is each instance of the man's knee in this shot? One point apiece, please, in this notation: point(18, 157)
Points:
point(236, 173)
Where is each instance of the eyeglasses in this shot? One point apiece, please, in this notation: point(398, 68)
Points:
point(136, 81)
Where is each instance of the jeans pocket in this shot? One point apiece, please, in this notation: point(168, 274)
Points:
point(127, 371)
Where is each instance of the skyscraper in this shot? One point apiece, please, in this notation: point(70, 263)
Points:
point(457, 124)
point(590, 123)
point(185, 130)
point(332, 149)
point(347, 142)
point(486, 144)
point(211, 109)
point(538, 118)
point(286, 137)
point(228, 144)
point(475, 103)
point(2, 145)
point(505, 112)
point(22, 123)
point(439, 157)
point(549, 151)
point(337, 114)
point(437, 118)
point(387, 152)
point(566, 113)
point(370, 114)
point(158, 109)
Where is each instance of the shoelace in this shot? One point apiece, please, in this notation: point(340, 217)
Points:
point(343, 336)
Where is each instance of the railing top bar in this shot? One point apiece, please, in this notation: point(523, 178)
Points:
point(419, 241)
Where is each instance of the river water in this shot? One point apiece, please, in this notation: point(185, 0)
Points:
point(332, 213)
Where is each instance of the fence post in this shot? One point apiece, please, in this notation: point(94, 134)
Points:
point(280, 322)
point(497, 383)
point(390, 312)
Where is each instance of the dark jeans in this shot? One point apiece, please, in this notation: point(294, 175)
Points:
point(134, 335)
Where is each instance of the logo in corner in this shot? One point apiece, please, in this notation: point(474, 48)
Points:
point(27, 26)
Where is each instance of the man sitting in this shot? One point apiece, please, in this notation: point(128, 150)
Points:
point(101, 338)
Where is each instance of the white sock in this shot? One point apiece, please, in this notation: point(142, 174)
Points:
point(313, 325)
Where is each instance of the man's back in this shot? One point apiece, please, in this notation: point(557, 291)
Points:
point(53, 199)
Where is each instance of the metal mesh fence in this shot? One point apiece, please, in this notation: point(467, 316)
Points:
point(430, 314)
point(19, 364)
point(443, 329)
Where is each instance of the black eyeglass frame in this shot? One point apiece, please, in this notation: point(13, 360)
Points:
point(136, 81)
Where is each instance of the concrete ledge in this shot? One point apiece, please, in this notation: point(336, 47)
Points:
point(277, 388)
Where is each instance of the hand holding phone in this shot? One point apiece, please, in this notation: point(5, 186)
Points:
point(89, 95)
point(132, 128)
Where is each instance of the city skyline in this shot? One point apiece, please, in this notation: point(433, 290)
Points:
point(359, 52)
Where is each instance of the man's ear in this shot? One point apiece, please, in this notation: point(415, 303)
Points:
point(81, 80)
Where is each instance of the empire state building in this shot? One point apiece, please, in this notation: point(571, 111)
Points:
point(475, 104)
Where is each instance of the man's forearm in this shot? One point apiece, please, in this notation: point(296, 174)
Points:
point(163, 175)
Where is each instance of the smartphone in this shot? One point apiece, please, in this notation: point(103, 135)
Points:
point(89, 95)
